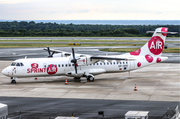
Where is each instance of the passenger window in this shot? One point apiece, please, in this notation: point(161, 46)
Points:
point(100, 63)
point(126, 62)
point(72, 64)
point(117, 62)
point(59, 65)
point(52, 66)
point(17, 64)
point(97, 64)
point(69, 64)
point(66, 65)
point(55, 65)
point(44, 66)
point(107, 63)
point(104, 63)
point(111, 63)
point(62, 65)
point(48, 66)
point(114, 63)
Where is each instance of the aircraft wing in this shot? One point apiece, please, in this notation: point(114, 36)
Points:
point(58, 51)
point(111, 58)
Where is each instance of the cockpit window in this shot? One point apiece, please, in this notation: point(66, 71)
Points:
point(17, 64)
point(13, 64)
point(22, 64)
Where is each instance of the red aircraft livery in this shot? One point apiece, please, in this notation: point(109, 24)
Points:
point(35, 69)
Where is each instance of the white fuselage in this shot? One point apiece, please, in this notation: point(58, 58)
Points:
point(39, 67)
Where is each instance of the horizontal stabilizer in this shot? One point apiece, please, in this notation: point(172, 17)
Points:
point(162, 32)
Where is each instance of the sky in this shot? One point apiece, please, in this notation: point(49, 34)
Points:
point(90, 9)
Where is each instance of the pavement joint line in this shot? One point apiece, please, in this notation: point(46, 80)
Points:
point(115, 88)
point(154, 89)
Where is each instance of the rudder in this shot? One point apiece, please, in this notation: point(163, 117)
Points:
point(155, 45)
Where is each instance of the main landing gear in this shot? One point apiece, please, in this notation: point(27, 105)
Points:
point(13, 81)
point(90, 78)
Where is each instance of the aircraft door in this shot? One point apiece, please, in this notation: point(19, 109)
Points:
point(15, 69)
point(132, 65)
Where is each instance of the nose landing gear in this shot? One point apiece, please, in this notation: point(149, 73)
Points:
point(13, 81)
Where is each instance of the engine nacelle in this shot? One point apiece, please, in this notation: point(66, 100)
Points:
point(61, 55)
point(82, 61)
point(88, 60)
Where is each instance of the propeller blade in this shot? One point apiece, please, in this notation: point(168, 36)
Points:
point(48, 51)
point(74, 60)
point(52, 54)
point(75, 68)
point(73, 53)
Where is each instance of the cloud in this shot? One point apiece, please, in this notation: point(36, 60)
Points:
point(89, 9)
point(14, 1)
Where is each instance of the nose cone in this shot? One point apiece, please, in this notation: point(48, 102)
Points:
point(5, 72)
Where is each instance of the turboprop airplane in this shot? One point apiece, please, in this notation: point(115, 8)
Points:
point(80, 65)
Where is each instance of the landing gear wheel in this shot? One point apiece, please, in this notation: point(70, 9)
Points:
point(13, 81)
point(90, 78)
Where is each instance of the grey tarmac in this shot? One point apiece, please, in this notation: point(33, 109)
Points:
point(158, 88)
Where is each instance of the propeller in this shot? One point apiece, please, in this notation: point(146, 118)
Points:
point(49, 52)
point(74, 60)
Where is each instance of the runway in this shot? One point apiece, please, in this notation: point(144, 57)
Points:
point(158, 89)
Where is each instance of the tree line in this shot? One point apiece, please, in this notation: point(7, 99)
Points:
point(24, 28)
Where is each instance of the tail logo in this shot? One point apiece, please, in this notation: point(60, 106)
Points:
point(156, 45)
